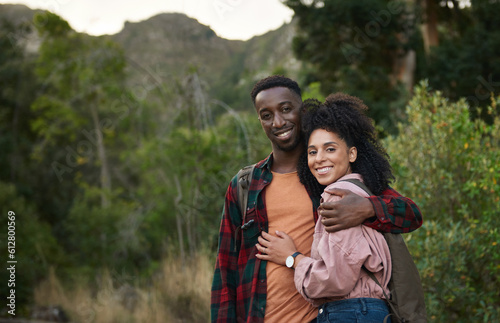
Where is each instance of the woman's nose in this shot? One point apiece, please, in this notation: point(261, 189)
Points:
point(320, 156)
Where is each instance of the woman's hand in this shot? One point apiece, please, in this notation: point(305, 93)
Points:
point(275, 249)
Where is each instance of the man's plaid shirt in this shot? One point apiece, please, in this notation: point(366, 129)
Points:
point(239, 285)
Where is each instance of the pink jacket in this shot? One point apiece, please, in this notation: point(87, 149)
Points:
point(334, 271)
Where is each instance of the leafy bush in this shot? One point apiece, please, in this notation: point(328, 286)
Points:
point(448, 164)
point(104, 236)
point(185, 176)
point(35, 246)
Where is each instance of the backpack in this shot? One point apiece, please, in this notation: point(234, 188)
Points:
point(244, 178)
point(407, 302)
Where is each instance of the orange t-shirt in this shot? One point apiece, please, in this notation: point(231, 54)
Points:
point(289, 209)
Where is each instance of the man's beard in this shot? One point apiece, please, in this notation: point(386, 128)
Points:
point(290, 147)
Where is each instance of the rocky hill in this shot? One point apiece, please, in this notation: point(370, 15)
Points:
point(176, 44)
point(173, 46)
point(170, 47)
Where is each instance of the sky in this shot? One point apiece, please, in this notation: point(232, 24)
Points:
point(231, 19)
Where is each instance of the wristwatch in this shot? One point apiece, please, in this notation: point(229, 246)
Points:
point(290, 260)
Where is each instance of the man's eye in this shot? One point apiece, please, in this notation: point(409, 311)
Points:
point(287, 109)
point(266, 116)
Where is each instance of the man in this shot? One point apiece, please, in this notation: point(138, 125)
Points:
point(246, 289)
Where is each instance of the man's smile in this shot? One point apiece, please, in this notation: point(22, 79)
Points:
point(283, 134)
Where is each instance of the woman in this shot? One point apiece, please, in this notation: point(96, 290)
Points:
point(341, 145)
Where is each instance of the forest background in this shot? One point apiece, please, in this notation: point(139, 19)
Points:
point(117, 150)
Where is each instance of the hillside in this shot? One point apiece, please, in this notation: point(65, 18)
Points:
point(16, 13)
point(174, 44)
point(170, 47)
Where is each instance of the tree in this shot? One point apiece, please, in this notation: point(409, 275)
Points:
point(83, 80)
point(378, 49)
point(81, 118)
point(36, 248)
point(185, 168)
point(356, 47)
point(466, 62)
point(17, 88)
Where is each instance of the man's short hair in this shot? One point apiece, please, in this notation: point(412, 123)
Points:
point(275, 81)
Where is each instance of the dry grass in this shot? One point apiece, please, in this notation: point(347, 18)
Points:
point(177, 293)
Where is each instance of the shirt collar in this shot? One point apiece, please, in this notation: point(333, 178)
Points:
point(266, 163)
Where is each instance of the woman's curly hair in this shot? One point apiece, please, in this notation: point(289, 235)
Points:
point(345, 115)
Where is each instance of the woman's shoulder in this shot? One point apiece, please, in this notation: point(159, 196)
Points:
point(343, 183)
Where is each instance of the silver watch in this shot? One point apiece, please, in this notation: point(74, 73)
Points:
point(290, 260)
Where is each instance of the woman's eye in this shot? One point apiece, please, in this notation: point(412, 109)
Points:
point(330, 149)
point(312, 152)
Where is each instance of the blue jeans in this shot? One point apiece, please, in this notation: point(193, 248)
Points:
point(359, 310)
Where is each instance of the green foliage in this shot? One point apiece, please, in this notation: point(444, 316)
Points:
point(51, 24)
point(104, 237)
point(359, 47)
point(169, 151)
point(449, 164)
point(466, 63)
point(313, 91)
point(82, 103)
point(54, 119)
point(352, 46)
point(36, 249)
point(184, 177)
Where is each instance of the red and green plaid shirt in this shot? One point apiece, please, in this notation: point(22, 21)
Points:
point(239, 286)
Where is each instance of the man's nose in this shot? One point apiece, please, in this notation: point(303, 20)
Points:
point(278, 121)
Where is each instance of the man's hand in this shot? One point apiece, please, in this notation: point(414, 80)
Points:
point(351, 210)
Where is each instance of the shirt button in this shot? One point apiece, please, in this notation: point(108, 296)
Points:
point(262, 280)
point(320, 311)
point(382, 218)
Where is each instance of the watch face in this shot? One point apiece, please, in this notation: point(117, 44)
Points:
point(289, 262)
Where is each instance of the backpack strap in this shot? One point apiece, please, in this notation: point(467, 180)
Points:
point(394, 310)
point(358, 183)
point(244, 178)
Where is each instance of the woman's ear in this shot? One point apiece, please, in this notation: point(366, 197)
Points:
point(353, 154)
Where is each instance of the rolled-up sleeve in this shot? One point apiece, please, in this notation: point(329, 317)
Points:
point(335, 274)
point(394, 213)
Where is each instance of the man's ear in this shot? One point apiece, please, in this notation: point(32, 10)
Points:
point(353, 154)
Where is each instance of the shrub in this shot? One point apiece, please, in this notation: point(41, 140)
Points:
point(448, 163)
point(35, 246)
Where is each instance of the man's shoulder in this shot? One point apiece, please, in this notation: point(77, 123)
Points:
point(251, 168)
point(264, 162)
